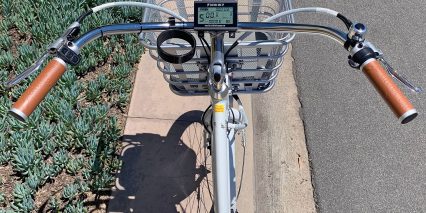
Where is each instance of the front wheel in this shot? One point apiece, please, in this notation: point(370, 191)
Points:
point(199, 200)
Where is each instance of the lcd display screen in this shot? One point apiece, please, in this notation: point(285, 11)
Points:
point(215, 15)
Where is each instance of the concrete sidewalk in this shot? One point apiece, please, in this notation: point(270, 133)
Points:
point(162, 154)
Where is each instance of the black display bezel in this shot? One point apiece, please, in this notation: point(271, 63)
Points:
point(214, 27)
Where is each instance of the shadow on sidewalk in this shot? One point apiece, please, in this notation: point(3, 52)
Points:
point(158, 173)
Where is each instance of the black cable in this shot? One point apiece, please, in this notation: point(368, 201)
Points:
point(202, 119)
point(233, 119)
point(242, 171)
point(233, 116)
point(84, 15)
point(207, 53)
point(232, 47)
point(347, 22)
point(207, 44)
point(73, 33)
point(235, 96)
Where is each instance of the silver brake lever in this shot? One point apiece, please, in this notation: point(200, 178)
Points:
point(399, 77)
point(52, 49)
point(28, 71)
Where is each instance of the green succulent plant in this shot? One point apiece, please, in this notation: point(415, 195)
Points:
point(74, 165)
point(65, 126)
point(22, 198)
point(54, 204)
point(102, 181)
point(26, 205)
point(6, 59)
point(70, 191)
point(5, 41)
point(122, 100)
point(4, 150)
point(24, 158)
point(2, 198)
point(49, 146)
point(102, 81)
point(4, 25)
point(68, 79)
point(20, 192)
point(121, 71)
point(86, 175)
point(60, 130)
point(53, 170)
point(93, 92)
point(5, 157)
point(75, 207)
point(81, 128)
point(60, 158)
point(96, 113)
point(71, 94)
point(33, 181)
point(92, 145)
point(43, 135)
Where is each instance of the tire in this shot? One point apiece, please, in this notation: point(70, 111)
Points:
point(200, 199)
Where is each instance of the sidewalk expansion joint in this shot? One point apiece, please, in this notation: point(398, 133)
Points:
point(161, 119)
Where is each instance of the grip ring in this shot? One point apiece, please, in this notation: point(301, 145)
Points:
point(408, 116)
point(18, 114)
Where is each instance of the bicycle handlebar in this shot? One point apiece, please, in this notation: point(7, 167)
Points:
point(389, 91)
point(38, 89)
point(330, 32)
point(400, 105)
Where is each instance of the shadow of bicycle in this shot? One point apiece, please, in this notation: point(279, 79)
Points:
point(165, 174)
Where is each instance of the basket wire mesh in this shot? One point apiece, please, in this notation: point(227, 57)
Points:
point(252, 66)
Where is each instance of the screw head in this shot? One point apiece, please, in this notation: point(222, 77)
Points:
point(357, 31)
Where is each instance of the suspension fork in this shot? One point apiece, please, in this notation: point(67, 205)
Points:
point(222, 140)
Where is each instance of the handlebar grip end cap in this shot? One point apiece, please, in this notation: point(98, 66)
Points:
point(408, 116)
point(18, 114)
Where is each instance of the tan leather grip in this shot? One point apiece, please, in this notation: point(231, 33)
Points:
point(390, 92)
point(38, 89)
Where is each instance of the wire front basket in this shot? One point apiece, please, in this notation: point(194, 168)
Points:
point(252, 66)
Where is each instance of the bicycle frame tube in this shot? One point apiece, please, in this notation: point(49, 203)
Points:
point(222, 148)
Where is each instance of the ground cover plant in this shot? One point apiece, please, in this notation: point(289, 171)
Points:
point(68, 150)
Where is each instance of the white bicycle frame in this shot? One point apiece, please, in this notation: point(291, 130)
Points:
point(223, 147)
point(223, 159)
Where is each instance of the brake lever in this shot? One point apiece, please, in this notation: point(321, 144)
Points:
point(69, 34)
point(30, 70)
point(398, 76)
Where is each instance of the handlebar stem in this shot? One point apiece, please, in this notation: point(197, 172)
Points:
point(217, 68)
